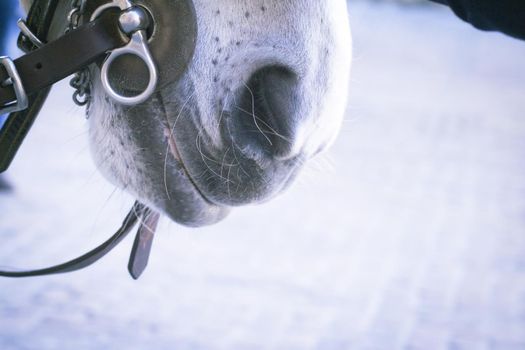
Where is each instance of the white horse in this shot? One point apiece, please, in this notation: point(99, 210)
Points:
point(265, 91)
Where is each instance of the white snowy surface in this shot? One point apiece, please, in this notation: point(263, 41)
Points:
point(411, 235)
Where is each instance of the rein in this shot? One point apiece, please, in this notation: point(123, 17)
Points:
point(139, 253)
point(61, 38)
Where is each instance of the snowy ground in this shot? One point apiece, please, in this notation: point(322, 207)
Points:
point(412, 236)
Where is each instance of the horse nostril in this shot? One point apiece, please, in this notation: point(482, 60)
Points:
point(267, 115)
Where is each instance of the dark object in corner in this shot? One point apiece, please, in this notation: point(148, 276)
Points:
point(506, 16)
point(4, 185)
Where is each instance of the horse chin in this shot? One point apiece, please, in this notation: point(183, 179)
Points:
point(184, 203)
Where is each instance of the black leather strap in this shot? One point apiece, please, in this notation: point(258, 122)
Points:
point(64, 56)
point(139, 257)
point(138, 211)
point(16, 127)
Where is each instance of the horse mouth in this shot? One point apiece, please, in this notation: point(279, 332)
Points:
point(238, 162)
point(174, 152)
point(184, 201)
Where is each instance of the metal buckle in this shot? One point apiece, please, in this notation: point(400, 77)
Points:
point(134, 22)
point(21, 102)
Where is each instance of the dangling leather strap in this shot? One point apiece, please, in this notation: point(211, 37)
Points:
point(140, 212)
point(58, 59)
point(138, 259)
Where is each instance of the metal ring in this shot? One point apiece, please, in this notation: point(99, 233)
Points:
point(137, 46)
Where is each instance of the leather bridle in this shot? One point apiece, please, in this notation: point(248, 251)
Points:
point(80, 33)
